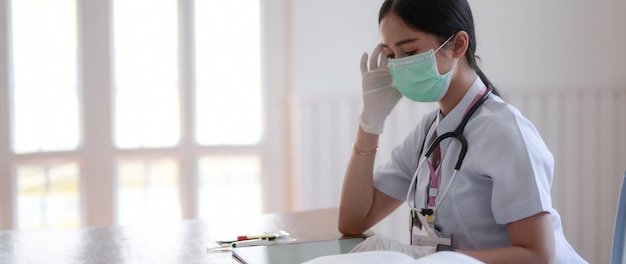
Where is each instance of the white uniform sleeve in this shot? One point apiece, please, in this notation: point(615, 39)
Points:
point(393, 178)
point(520, 165)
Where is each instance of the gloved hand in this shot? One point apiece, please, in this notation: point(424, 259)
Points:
point(380, 242)
point(379, 95)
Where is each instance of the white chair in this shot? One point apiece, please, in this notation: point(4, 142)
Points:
point(619, 231)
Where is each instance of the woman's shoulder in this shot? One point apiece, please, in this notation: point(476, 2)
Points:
point(501, 120)
point(497, 112)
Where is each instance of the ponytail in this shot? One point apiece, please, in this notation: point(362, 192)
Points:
point(471, 61)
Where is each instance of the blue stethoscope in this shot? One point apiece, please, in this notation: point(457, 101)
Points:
point(458, 134)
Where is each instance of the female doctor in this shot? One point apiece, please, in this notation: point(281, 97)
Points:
point(496, 205)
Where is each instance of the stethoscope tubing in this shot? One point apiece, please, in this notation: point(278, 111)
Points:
point(458, 134)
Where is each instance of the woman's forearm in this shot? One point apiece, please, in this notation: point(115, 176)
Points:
point(357, 194)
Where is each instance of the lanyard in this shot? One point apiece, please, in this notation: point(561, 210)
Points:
point(435, 173)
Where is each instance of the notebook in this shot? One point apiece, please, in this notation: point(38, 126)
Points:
point(294, 252)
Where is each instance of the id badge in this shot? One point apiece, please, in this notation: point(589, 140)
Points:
point(422, 234)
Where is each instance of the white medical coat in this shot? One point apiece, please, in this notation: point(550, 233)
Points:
point(506, 175)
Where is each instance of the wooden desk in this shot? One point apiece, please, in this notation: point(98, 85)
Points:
point(184, 242)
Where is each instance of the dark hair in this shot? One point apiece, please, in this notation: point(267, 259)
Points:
point(442, 18)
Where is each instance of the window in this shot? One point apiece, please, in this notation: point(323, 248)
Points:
point(228, 72)
point(148, 191)
point(147, 94)
point(223, 176)
point(45, 99)
point(145, 49)
point(185, 101)
point(45, 111)
point(48, 196)
point(228, 104)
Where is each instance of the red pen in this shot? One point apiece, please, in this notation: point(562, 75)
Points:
point(269, 236)
point(266, 236)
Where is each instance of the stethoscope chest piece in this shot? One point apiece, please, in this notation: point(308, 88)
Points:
point(430, 218)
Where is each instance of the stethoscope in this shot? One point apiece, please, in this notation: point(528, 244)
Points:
point(458, 134)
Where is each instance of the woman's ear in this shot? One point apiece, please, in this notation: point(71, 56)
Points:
point(460, 44)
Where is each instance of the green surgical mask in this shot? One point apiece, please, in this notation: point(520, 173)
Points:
point(417, 78)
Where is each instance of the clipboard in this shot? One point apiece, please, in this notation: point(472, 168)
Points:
point(294, 252)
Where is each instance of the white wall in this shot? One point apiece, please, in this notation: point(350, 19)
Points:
point(539, 44)
point(329, 37)
point(547, 56)
point(525, 44)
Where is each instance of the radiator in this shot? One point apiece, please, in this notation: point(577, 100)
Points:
point(585, 130)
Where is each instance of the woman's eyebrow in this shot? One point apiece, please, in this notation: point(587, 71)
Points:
point(400, 43)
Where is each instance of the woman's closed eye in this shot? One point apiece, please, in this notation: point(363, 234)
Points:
point(406, 54)
point(410, 53)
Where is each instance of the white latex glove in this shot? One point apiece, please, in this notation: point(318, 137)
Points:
point(380, 242)
point(379, 95)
